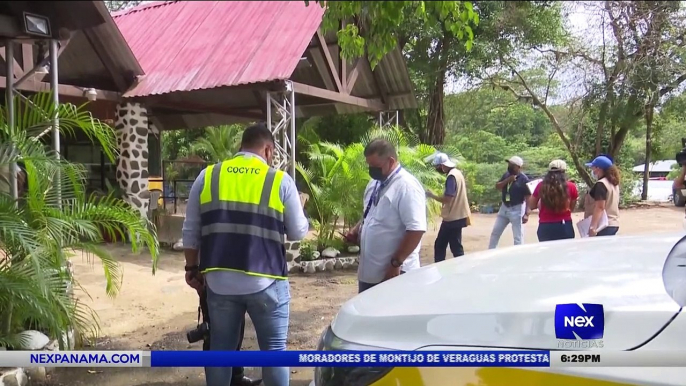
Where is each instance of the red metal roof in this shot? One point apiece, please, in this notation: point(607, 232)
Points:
point(193, 45)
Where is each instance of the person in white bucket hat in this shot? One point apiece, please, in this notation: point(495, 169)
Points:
point(455, 208)
point(515, 194)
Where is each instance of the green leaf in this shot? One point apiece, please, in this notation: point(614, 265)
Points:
point(468, 45)
point(53, 216)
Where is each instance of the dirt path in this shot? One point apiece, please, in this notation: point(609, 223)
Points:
point(154, 312)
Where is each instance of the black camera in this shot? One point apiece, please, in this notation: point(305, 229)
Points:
point(681, 155)
point(199, 333)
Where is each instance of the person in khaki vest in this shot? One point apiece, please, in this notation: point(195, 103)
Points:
point(603, 196)
point(455, 211)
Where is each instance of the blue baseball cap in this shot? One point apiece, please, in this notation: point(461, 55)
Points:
point(601, 161)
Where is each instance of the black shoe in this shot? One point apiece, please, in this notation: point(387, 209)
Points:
point(245, 381)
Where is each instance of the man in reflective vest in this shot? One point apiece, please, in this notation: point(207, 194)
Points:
point(239, 213)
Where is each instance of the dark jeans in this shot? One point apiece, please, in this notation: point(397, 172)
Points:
point(450, 233)
point(362, 286)
point(237, 372)
point(609, 231)
point(549, 231)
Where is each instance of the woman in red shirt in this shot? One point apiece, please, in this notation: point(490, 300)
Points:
point(557, 198)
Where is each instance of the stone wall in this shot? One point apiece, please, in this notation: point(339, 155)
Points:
point(295, 265)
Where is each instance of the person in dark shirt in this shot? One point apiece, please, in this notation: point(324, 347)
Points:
point(515, 193)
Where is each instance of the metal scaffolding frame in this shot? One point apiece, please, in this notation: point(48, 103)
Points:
point(281, 122)
point(11, 91)
point(388, 119)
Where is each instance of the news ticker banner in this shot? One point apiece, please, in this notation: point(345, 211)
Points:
point(343, 359)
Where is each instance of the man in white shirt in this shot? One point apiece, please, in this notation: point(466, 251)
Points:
point(394, 219)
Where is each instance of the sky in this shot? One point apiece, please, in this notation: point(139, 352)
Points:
point(583, 22)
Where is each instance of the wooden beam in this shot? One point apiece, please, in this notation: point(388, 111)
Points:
point(316, 45)
point(331, 68)
point(181, 107)
point(343, 65)
point(323, 73)
point(29, 71)
point(9, 26)
point(27, 57)
point(63, 46)
point(372, 104)
point(377, 83)
point(63, 89)
point(350, 84)
point(106, 60)
point(18, 72)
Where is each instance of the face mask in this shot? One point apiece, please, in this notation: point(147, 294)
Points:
point(376, 173)
point(440, 170)
point(595, 177)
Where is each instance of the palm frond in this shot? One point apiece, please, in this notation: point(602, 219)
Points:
point(53, 217)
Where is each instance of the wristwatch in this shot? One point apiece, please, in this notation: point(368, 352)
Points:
point(190, 268)
point(395, 263)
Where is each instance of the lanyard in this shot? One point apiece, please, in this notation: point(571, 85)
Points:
point(374, 199)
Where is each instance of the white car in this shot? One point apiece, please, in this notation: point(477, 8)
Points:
point(505, 299)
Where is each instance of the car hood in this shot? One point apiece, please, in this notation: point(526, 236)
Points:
point(506, 297)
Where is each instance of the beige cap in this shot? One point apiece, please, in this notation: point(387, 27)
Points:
point(515, 160)
point(557, 165)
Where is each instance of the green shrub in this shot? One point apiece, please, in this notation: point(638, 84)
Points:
point(336, 177)
point(56, 216)
point(307, 249)
point(481, 179)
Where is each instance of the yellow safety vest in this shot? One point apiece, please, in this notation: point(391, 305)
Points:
point(242, 219)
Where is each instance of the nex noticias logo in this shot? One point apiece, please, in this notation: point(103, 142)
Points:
point(579, 321)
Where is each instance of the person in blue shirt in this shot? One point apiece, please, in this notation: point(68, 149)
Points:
point(515, 194)
point(233, 281)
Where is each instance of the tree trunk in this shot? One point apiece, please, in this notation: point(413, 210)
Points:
point(435, 128)
point(600, 130)
point(402, 122)
point(434, 133)
point(646, 169)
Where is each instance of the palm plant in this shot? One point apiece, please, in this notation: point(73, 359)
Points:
point(55, 218)
point(218, 143)
point(336, 178)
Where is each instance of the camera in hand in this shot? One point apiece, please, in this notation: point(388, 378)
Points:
point(199, 333)
point(681, 155)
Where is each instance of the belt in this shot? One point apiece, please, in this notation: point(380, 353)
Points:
point(509, 204)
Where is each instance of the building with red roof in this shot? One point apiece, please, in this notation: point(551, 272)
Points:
point(190, 64)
